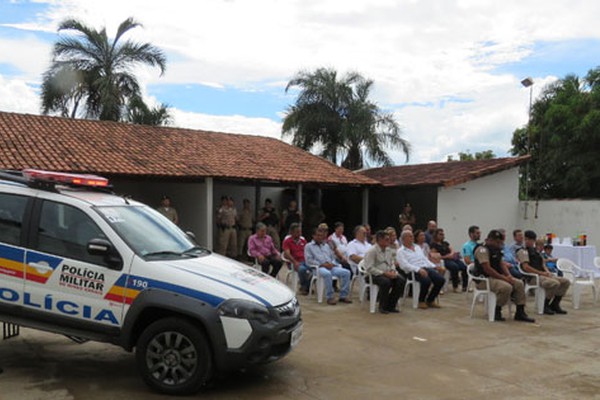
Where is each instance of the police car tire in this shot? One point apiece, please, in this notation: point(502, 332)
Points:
point(172, 349)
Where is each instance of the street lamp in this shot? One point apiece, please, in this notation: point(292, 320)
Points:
point(528, 83)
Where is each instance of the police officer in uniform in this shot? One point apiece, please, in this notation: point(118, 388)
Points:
point(270, 218)
point(226, 220)
point(488, 262)
point(532, 262)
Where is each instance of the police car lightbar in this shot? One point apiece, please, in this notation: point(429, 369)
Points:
point(65, 178)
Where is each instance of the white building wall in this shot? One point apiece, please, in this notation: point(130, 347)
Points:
point(489, 202)
point(566, 218)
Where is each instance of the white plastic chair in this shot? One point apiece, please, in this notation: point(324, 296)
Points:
point(256, 264)
point(319, 282)
point(416, 289)
point(291, 276)
point(489, 297)
point(373, 288)
point(534, 284)
point(356, 278)
point(578, 277)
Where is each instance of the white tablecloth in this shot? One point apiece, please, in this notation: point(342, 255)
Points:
point(583, 256)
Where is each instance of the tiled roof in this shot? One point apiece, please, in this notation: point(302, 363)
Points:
point(442, 173)
point(110, 148)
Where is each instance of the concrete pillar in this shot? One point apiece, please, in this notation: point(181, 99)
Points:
point(365, 205)
point(209, 216)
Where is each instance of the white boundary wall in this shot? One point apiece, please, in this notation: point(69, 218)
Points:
point(489, 202)
point(566, 218)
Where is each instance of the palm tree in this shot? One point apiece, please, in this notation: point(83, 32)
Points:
point(91, 75)
point(138, 112)
point(338, 116)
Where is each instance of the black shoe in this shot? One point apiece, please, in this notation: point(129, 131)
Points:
point(558, 310)
point(393, 310)
point(548, 310)
point(523, 317)
point(383, 311)
point(498, 315)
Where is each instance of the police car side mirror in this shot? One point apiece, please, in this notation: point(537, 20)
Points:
point(191, 235)
point(103, 248)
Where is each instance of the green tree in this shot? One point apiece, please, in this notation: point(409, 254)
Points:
point(337, 116)
point(563, 139)
point(480, 155)
point(138, 112)
point(91, 75)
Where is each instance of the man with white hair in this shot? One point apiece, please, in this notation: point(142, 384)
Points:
point(411, 259)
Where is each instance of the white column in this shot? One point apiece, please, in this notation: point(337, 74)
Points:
point(365, 205)
point(209, 216)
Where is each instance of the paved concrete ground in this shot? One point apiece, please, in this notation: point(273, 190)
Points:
point(347, 353)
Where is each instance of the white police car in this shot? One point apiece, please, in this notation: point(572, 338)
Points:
point(76, 259)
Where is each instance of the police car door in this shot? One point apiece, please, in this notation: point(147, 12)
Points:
point(12, 254)
point(62, 278)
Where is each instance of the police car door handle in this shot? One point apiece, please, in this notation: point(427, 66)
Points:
point(40, 267)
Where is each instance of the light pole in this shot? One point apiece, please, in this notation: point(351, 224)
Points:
point(528, 83)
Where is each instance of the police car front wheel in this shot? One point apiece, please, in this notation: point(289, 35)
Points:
point(173, 356)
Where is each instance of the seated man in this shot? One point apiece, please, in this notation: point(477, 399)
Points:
point(339, 244)
point(451, 259)
point(319, 254)
point(379, 262)
point(358, 247)
point(469, 247)
point(261, 247)
point(411, 259)
point(293, 250)
point(508, 258)
point(532, 262)
point(488, 262)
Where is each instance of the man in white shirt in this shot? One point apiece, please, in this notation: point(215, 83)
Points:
point(411, 259)
point(358, 247)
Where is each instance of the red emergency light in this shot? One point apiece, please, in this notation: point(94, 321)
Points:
point(65, 178)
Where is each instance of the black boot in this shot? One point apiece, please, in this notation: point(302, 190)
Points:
point(555, 305)
point(547, 309)
point(520, 315)
point(498, 314)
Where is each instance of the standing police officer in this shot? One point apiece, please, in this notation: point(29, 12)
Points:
point(488, 262)
point(532, 262)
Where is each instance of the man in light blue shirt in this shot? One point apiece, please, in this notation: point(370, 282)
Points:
point(319, 254)
point(469, 247)
point(509, 257)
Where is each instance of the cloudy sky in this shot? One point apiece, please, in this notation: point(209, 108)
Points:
point(449, 70)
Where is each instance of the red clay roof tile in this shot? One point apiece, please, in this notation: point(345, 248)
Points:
point(442, 173)
point(110, 148)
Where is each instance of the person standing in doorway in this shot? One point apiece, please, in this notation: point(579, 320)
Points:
point(167, 210)
point(226, 220)
point(269, 217)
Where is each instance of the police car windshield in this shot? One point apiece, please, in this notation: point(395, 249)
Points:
point(148, 233)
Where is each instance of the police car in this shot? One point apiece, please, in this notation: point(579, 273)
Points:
point(78, 260)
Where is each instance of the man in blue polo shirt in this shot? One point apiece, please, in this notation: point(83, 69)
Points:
point(469, 247)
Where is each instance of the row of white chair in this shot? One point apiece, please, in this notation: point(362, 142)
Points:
point(579, 278)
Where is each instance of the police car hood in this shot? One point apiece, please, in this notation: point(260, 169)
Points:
point(227, 278)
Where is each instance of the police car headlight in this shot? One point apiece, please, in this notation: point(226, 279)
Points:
point(245, 309)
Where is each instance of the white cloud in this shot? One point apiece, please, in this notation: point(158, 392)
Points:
point(415, 51)
point(17, 96)
point(227, 123)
